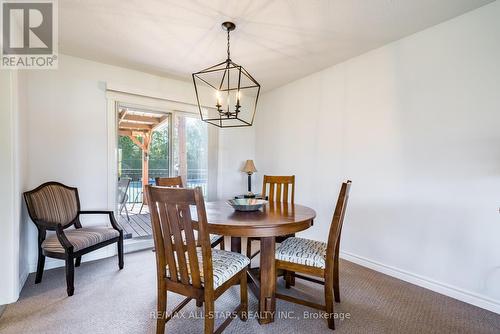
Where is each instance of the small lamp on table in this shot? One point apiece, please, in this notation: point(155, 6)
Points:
point(249, 168)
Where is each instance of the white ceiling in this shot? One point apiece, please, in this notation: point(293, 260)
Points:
point(276, 41)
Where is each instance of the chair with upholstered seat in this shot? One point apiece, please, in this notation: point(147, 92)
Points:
point(188, 266)
point(315, 258)
point(176, 182)
point(280, 189)
point(56, 207)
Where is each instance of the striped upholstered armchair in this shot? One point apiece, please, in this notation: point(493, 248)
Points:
point(56, 207)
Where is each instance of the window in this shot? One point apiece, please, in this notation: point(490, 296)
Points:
point(191, 150)
point(178, 143)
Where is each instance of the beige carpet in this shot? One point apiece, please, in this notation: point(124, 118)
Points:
point(110, 301)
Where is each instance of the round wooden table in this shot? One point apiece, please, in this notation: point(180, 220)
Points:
point(275, 219)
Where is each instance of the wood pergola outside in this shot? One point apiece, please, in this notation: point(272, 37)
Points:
point(134, 124)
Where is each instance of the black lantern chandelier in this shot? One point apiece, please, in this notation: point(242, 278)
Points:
point(226, 93)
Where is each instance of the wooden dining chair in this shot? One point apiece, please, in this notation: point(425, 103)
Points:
point(199, 273)
point(275, 189)
point(281, 188)
point(54, 206)
point(316, 258)
point(176, 182)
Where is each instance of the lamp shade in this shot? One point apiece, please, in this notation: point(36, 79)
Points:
point(249, 167)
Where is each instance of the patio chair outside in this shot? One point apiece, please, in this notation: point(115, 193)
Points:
point(122, 196)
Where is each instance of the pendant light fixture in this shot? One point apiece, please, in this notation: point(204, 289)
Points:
point(226, 93)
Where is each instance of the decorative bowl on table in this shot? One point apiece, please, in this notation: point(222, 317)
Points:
point(246, 204)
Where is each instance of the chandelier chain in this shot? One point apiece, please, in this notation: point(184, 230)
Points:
point(228, 54)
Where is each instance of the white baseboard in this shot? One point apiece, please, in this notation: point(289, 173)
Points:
point(22, 278)
point(137, 245)
point(442, 288)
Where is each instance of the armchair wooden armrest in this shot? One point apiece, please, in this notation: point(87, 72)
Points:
point(68, 246)
point(110, 213)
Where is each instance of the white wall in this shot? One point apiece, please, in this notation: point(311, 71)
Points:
point(21, 180)
point(67, 131)
point(236, 145)
point(415, 125)
point(9, 242)
point(12, 178)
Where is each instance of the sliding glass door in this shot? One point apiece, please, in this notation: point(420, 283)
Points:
point(131, 160)
point(154, 143)
point(144, 153)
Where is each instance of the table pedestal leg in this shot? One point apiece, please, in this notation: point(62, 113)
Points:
point(267, 301)
point(236, 244)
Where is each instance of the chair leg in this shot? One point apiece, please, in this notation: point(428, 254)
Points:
point(78, 261)
point(161, 313)
point(126, 212)
point(329, 303)
point(336, 282)
point(287, 277)
point(249, 252)
point(124, 206)
point(120, 251)
point(39, 267)
point(336, 286)
point(292, 278)
point(209, 317)
point(135, 200)
point(70, 275)
point(243, 314)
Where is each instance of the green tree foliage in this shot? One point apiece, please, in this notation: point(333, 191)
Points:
point(131, 154)
point(196, 147)
point(158, 152)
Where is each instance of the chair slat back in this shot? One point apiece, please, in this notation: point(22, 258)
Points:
point(173, 182)
point(53, 203)
point(279, 188)
point(171, 218)
point(337, 222)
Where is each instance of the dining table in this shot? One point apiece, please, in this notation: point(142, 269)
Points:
point(272, 220)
